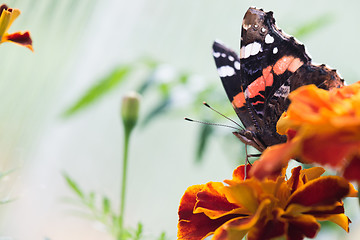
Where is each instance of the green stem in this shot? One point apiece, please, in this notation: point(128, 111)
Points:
point(123, 183)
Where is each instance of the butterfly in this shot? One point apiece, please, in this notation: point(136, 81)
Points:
point(271, 65)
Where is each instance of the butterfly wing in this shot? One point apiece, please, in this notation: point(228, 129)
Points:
point(272, 64)
point(228, 67)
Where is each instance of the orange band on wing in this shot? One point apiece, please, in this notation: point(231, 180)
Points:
point(295, 64)
point(239, 100)
point(265, 80)
point(282, 64)
point(287, 63)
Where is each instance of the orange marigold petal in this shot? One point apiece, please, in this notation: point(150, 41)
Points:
point(212, 201)
point(313, 173)
point(273, 159)
point(229, 231)
point(325, 190)
point(239, 173)
point(340, 219)
point(196, 226)
point(327, 149)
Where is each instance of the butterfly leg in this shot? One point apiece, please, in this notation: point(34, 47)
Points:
point(246, 162)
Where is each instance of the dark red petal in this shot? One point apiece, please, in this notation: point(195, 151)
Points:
point(272, 229)
point(23, 39)
point(301, 227)
point(352, 170)
point(323, 213)
point(196, 226)
point(322, 191)
point(200, 226)
point(188, 201)
point(211, 199)
point(293, 182)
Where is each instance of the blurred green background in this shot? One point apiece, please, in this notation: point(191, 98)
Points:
point(162, 48)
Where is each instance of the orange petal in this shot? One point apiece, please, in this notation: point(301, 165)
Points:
point(340, 219)
point(273, 159)
point(244, 194)
point(313, 173)
point(239, 173)
point(228, 230)
point(325, 190)
point(327, 149)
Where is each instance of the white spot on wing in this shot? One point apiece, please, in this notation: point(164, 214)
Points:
point(237, 65)
point(223, 55)
point(247, 50)
point(216, 54)
point(256, 48)
point(263, 30)
point(250, 50)
point(226, 71)
point(275, 50)
point(231, 58)
point(269, 39)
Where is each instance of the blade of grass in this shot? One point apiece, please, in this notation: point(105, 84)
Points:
point(73, 185)
point(205, 133)
point(100, 89)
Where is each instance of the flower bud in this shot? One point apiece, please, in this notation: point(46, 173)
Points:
point(130, 110)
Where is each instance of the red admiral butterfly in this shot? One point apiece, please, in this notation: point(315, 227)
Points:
point(270, 66)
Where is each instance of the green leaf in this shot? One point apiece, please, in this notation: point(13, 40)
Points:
point(101, 88)
point(313, 25)
point(73, 185)
point(162, 236)
point(138, 232)
point(106, 206)
point(205, 133)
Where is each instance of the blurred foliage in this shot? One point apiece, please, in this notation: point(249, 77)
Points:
point(313, 25)
point(100, 209)
point(102, 212)
point(101, 88)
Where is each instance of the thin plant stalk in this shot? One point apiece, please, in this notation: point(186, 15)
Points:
point(129, 114)
point(123, 183)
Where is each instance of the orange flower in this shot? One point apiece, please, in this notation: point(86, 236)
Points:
point(264, 209)
point(7, 17)
point(322, 127)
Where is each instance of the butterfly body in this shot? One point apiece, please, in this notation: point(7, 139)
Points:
point(271, 64)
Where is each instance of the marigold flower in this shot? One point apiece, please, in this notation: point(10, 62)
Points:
point(322, 127)
point(264, 209)
point(7, 17)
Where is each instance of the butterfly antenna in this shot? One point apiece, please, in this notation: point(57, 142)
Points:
point(207, 105)
point(213, 124)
